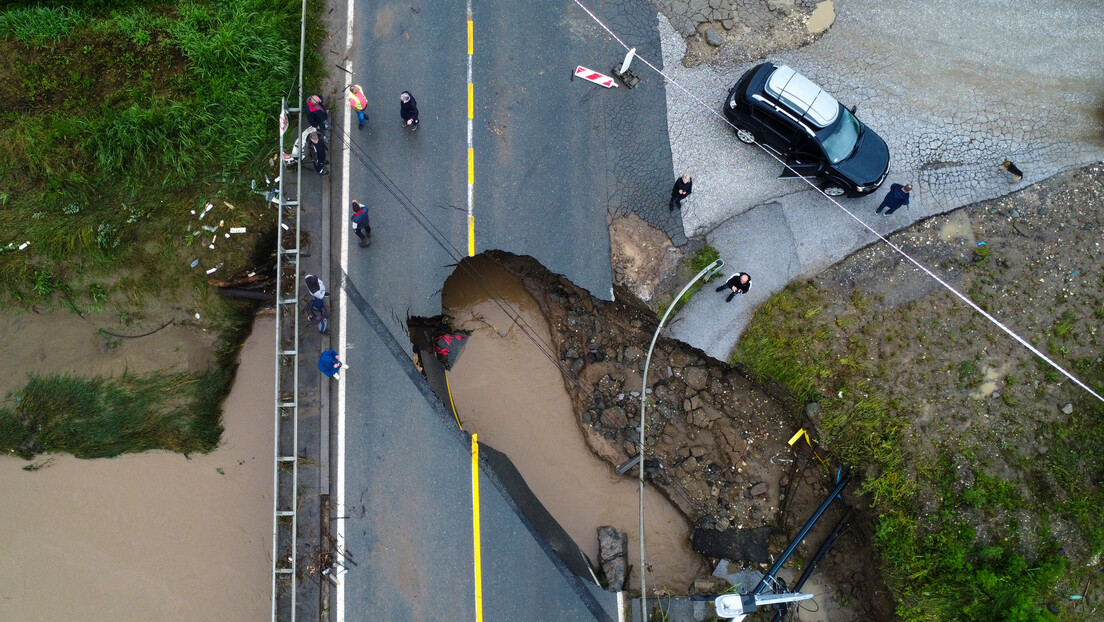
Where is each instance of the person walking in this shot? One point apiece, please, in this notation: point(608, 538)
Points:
point(358, 103)
point(315, 286)
point(897, 196)
point(316, 113)
point(739, 283)
point(318, 315)
point(361, 226)
point(329, 363)
point(683, 187)
point(319, 146)
point(408, 110)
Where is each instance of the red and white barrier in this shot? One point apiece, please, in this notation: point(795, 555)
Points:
point(595, 77)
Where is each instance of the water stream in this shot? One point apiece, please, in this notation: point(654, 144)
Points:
point(152, 536)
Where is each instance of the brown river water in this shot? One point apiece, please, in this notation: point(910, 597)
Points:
point(510, 394)
point(152, 536)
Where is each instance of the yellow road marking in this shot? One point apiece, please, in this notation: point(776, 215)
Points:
point(452, 404)
point(475, 529)
point(471, 236)
point(471, 147)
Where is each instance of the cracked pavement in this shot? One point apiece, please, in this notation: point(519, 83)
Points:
point(953, 88)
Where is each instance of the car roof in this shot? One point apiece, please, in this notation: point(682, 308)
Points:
point(799, 94)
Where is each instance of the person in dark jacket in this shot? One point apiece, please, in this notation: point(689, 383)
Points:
point(408, 110)
point(329, 363)
point(362, 227)
point(318, 315)
point(683, 187)
point(319, 147)
point(739, 283)
point(897, 196)
point(316, 112)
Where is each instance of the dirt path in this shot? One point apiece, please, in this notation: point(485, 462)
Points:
point(153, 536)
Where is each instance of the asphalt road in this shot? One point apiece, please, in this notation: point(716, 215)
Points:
point(954, 88)
point(407, 514)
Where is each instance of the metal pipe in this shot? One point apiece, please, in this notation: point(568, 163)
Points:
point(811, 566)
point(711, 269)
point(801, 535)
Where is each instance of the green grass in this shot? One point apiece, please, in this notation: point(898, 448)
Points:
point(118, 119)
point(699, 261)
point(102, 418)
point(122, 117)
point(38, 24)
point(936, 565)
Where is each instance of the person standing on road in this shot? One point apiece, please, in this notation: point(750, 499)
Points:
point(682, 189)
point(329, 363)
point(316, 112)
point(358, 103)
point(315, 286)
point(361, 226)
point(318, 315)
point(897, 196)
point(319, 147)
point(739, 283)
point(408, 110)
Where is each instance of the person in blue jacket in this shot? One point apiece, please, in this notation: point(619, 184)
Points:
point(330, 364)
point(898, 195)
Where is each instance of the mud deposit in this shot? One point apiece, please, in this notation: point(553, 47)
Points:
point(152, 536)
point(508, 391)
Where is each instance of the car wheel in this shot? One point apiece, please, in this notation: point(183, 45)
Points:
point(834, 190)
point(745, 135)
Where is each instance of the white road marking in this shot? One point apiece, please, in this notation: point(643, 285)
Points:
point(339, 508)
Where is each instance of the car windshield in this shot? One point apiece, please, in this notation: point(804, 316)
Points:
point(840, 143)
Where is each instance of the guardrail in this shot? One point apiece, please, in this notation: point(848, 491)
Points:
point(285, 480)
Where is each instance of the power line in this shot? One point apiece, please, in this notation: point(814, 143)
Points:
point(457, 255)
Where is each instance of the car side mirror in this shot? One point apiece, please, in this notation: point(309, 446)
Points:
point(853, 108)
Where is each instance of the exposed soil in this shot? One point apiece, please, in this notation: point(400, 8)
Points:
point(718, 441)
point(42, 80)
point(745, 30)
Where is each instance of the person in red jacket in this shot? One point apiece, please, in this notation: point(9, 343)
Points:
point(316, 113)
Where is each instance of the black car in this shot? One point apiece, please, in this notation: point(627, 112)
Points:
point(785, 112)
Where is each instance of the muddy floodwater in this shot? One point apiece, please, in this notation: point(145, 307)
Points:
point(152, 536)
point(510, 393)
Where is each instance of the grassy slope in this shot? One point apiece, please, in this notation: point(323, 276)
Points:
point(989, 509)
point(119, 119)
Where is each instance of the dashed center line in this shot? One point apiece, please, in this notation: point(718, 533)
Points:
point(471, 149)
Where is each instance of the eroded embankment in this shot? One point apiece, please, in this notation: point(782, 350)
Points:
point(719, 440)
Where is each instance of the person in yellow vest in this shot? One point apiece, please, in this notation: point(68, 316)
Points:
point(358, 103)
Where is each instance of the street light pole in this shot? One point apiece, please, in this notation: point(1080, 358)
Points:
point(710, 270)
